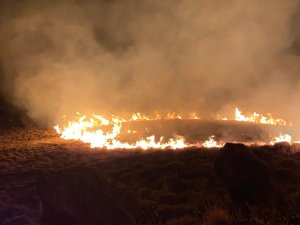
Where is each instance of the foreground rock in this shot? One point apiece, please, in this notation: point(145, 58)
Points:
point(246, 177)
point(80, 196)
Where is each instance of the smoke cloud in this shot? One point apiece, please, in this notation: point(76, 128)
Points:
point(123, 56)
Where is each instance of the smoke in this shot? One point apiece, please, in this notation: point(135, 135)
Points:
point(122, 56)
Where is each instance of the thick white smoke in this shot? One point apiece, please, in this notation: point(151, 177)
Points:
point(120, 56)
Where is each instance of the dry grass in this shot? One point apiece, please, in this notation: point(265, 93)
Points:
point(217, 216)
point(174, 184)
point(27, 149)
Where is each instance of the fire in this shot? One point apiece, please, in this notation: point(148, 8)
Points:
point(173, 115)
point(282, 138)
point(101, 132)
point(258, 118)
point(219, 117)
point(83, 130)
point(211, 143)
point(194, 116)
point(138, 116)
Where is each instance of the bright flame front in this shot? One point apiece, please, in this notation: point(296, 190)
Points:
point(105, 133)
point(258, 118)
point(83, 130)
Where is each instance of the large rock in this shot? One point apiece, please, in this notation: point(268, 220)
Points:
point(246, 177)
point(80, 196)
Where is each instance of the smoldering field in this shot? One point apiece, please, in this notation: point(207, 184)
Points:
point(115, 57)
point(60, 57)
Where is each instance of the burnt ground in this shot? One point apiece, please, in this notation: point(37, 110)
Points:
point(178, 187)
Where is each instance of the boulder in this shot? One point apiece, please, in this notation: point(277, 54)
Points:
point(243, 174)
point(80, 196)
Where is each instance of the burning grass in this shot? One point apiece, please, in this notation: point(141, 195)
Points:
point(177, 186)
point(112, 133)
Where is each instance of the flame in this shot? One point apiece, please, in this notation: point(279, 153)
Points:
point(193, 116)
point(219, 117)
point(173, 115)
point(131, 131)
point(138, 116)
point(211, 143)
point(258, 118)
point(105, 133)
point(83, 130)
point(282, 138)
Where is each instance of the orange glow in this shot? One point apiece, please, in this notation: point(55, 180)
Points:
point(138, 116)
point(173, 115)
point(83, 130)
point(193, 116)
point(258, 118)
point(211, 143)
point(105, 133)
point(282, 138)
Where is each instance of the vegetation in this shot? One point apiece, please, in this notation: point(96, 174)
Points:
point(175, 187)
